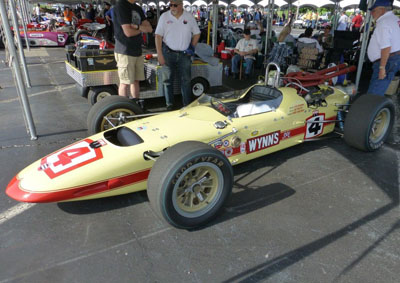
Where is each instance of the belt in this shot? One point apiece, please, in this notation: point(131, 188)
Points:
point(175, 51)
point(390, 55)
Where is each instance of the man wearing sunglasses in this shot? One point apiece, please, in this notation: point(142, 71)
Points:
point(176, 35)
point(129, 23)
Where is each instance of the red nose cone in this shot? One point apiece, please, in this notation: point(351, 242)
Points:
point(13, 191)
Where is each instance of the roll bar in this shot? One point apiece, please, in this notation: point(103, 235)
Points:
point(277, 76)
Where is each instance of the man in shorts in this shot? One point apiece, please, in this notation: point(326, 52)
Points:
point(129, 23)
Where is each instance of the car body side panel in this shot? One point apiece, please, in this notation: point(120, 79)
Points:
point(83, 171)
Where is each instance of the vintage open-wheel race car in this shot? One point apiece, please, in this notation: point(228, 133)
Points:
point(184, 158)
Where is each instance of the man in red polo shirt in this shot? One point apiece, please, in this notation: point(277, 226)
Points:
point(357, 21)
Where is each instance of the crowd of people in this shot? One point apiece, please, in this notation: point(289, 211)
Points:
point(128, 21)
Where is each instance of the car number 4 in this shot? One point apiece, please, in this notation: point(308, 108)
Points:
point(70, 158)
point(313, 128)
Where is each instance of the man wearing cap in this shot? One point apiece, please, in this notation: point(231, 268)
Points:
point(384, 47)
point(129, 23)
point(176, 35)
point(246, 48)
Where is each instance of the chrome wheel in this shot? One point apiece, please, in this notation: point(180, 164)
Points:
point(198, 189)
point(380, 125)
point(115, 118)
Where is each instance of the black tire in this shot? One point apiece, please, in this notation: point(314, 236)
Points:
point(98, 93)
point(369, 122)
point(178, 170)
point(199, 86)
point(116, 109)
point(82, 90)
point(80, 32)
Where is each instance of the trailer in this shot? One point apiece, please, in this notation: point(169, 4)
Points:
point(96, 75)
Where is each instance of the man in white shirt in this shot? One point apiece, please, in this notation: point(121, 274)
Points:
point(37, 12)
point(308, 39)
point(343, 21)
point(246, 48)
point(384, 47)
point(177, 34)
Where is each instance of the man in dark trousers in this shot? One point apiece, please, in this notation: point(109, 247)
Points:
point(129, 23)
point(177, 34)
point(384, 47)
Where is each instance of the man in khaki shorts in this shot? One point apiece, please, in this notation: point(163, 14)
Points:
point(129, 23)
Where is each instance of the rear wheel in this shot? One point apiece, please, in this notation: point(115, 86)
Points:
point(199, 86)
point(97, 93)
point(110, 112)
point(189, 184)
point(369, 122)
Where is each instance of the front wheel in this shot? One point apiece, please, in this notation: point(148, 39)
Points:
point(189, 184)
point(111, 112)
point(369, 122)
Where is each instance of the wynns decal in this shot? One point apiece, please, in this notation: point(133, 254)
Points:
point(262, 142)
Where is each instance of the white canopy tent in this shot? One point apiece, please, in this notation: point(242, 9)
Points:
point(239, 3)
point(279, 3)
point(199, 3)
point(314, 4)
point(346, 4)
point(220, 3)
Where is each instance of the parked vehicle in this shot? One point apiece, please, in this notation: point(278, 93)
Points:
point(184, 158)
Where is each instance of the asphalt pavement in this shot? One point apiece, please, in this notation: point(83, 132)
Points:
point(317, 212)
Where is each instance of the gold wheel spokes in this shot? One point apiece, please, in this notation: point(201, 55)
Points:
point(116, 118)
point(380, 125)
point(197, 189)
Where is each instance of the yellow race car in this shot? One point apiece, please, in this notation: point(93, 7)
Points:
point(184, 158)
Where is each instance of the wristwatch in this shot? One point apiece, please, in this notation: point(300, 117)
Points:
point(381, 67)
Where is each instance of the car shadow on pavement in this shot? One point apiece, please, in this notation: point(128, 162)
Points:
point(103, 204)
point(250, 199)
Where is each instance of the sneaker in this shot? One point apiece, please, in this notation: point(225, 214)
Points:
point(170, 107)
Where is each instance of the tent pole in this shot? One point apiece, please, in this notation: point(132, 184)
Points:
point(214, 25)
point(364, 43)
point(19, 42)
point(267, 29)
point(17, 71)
point(24, 23)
